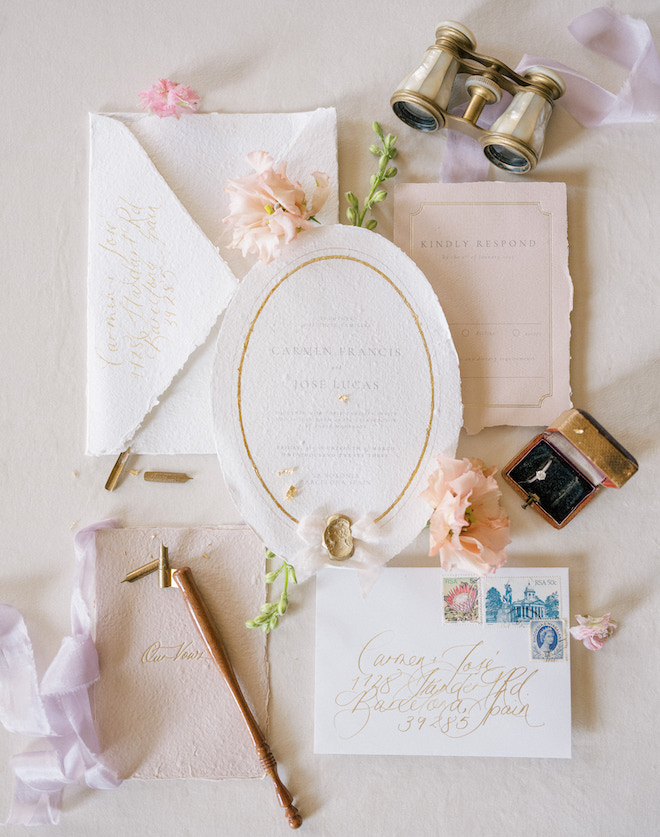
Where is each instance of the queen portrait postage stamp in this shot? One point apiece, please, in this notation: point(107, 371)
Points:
point(548, 639)
point(461, 601)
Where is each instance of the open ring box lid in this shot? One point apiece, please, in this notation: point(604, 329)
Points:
point(561, 468)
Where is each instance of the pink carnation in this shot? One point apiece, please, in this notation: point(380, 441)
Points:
point(594, 631)
point(266, 208)
point(469, 528)
point(167, 98)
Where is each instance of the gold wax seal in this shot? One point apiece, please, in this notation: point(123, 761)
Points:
point(337, 538)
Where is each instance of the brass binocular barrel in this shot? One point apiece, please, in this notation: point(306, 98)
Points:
point(514, 141)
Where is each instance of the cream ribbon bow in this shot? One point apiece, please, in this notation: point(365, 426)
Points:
point(367, 558)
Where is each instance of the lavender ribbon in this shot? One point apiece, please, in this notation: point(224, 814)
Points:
point(621, 38)
point(58, 708)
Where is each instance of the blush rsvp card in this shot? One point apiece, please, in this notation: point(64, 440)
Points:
point(432, 663)
point(497, 257)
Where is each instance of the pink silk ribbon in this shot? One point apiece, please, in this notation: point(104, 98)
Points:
point(58, 708)
point(621, 38)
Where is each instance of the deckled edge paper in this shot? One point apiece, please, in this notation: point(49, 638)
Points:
point(161, 707)
point(156, 286)
point(157, 280)
point(497, 257)
point(335, 384)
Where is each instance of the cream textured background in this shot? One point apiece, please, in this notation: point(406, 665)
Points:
point(61, 59)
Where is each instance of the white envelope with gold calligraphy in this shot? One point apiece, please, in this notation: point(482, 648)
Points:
point(432, 663)
point(157, 282)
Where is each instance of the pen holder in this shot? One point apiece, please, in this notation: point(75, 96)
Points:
point(514, 141)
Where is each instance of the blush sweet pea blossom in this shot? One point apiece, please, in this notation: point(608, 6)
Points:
point(594, 631)
point(266, 208)
point(167, 98)
point(468, 528)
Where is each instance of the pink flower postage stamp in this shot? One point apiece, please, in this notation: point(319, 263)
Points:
point(461, 599)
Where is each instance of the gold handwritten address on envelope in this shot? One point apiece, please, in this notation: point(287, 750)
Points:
point(456, 693)
point(396, 678)
point(140, 300)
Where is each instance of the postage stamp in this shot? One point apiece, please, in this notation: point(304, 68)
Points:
point(510, 600)
point(548, 640)
point(461, 599)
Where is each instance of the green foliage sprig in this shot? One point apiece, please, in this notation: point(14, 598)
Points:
point(376, 195)
point(271, 612)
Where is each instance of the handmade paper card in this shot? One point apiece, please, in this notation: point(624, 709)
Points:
point(157, 281)
point(449, 665)
point(335, 383)
point(162, 709)
point(497, 256)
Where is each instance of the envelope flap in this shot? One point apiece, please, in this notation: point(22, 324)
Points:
point(156, 286)
point(197, 155)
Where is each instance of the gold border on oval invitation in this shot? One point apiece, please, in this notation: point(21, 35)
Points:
point(245, 348)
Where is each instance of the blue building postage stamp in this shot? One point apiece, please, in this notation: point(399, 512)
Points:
point(548, 640)
point(460, 596)
point(510, 601)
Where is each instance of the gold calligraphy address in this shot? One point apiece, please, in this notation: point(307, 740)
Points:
point(244, 353)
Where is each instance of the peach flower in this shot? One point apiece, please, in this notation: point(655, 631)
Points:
point(594, 631)
point(167, 98)
point(469, 528)
point(266, 208)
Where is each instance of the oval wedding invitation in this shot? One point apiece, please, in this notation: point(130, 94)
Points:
point(335, 383)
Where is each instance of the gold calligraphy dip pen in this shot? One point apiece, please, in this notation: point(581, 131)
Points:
point(210, 635)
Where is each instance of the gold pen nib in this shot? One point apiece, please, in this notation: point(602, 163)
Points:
point(117, 469)
point(151, 567)
point(165, 476)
